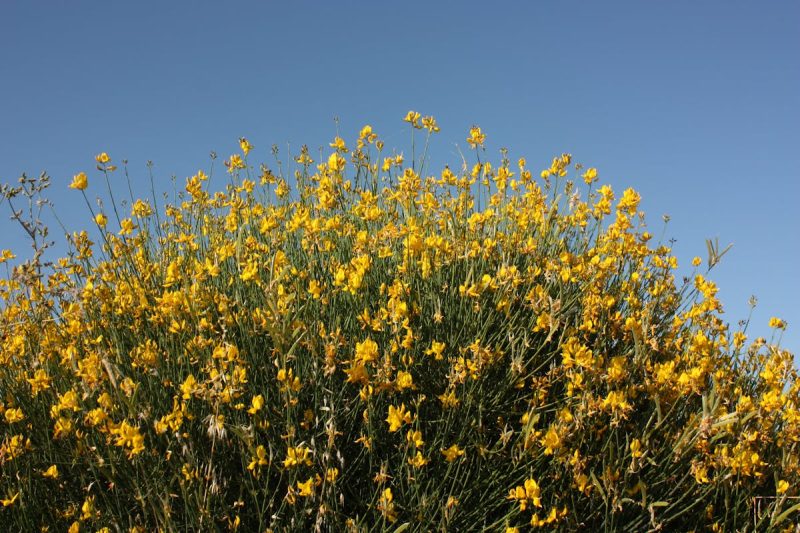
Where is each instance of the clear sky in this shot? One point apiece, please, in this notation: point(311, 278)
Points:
point(695, 104)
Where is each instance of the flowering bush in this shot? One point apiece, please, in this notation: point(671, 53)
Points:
point(373, 347)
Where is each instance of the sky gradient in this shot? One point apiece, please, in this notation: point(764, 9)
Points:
point(696, 105)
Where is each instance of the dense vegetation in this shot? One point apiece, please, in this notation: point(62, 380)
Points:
point(354, 344)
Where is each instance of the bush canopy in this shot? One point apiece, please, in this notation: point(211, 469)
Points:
point(357, 343)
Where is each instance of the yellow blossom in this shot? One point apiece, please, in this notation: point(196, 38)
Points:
point(777, 323)
point(10, 500)
point(452, 453)
point(366, 351)
point(418, 461)
point(636, 447)
point(386, 505)
point(306, 488)
point(296, 456)
point(14, 415)
point(412, 117)
point(551, 441)
point(257, 404)
point(259, 459)
point(245, 145)
point(397, 417)
point(476, 137)
point(404, 380)
point(79, 181)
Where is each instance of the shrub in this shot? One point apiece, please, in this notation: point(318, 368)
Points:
point(376, 348)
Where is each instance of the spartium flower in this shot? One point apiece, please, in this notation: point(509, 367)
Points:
point(386, 505)
point(245, 146)
point(526, 494)
point(297, 456)
point(128, 436)
point(452, 453)
point(476, 137)
point(79, 181)
point(397, 417)
point(259, 459)
point(412, 117)
point(51, 472)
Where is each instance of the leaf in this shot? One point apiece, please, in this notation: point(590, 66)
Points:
point(784, 515)
point(714, 255)
point(598, 486)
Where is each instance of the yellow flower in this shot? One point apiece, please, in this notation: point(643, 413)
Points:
point(10, 500)
point(79, 181)
point(574, 353)
point(336, 163)
point(397, 417)
point(245, 145)
point(783, 486)
point(5, 255)
point(700, 473)
point(102, 158)
point(528, 493)
point(260, 458)
point(314, 289)
point(404, 380)
point(339, 144)
point(551, 441)
point(590, 175)
point(533, 492)
point(51, 472)
point(14, 415)
point(258, 403)
point(386, 505)
point(636, 448)
point(126, 227)
point(629, 201)
point(88, 510)
point(297, 456)
point(62, 428)
point(429, 123)
point(366, 351)
point(306, 488)
point(418, 461)
point(412, 117)
point(436, 350)
point(189, 387)
point(776, 322)
point(331, 475)
point(415, 438)
point(616, 401)
point(476, 137)
point(101, 220)
point(449, 399)
point(68, 400)
point(234, 162)
point(128, 436)
point(452, 453)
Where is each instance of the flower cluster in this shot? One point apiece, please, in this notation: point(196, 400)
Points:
point(360, 340)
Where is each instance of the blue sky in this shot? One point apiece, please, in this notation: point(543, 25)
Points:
point(695, 104)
